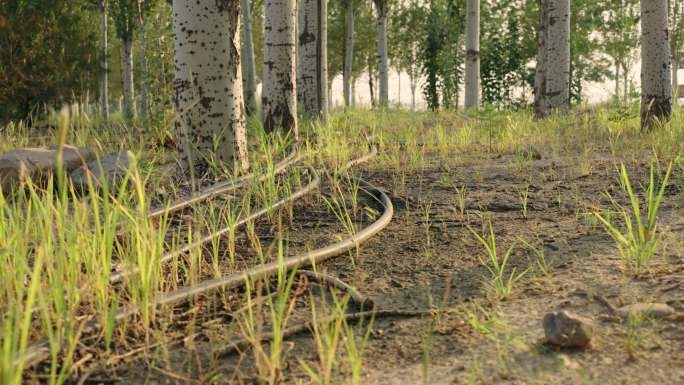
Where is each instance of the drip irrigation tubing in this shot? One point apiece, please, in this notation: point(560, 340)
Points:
point(224, 187)
point(118, 276)
point(39, 351)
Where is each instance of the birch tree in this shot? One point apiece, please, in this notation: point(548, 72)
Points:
point(407, 40)
point(208, 96)
point(552, 74)
point(248, 67)
point(142, 9)
point(348, 51)
point(676, 40)
point(382, 10)
point(656, 87)
point(279, 99)
point(472, 59)
point(104, 63)
point(312, 63)
point(125, 15)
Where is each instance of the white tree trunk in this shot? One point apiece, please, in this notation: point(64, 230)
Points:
point(656, 86)
point(248, 65)
point(399, 87)
point(208, 95)
point(558, 55)
point(104, 70)
point(382, 8)
point(412, 82)
point(472, 61)
point(617, 81)
point(348, 52)
point(144, 103)
point(675, 79)
point(552, 75)
point(127, 68)
point(312, 73)
point(279, 98)
point(540, 108)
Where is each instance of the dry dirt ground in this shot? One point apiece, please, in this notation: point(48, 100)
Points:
point(428, 259)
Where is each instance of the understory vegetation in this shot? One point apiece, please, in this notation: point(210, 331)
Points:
point(60, 248)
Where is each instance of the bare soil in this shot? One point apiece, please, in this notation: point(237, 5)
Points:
point(400, 269)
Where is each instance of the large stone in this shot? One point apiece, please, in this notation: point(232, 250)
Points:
point(38, 164)
point(109, 169)
point(657, 310)
point(567, 330)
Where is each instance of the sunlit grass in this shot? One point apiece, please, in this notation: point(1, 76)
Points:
point(58, 248)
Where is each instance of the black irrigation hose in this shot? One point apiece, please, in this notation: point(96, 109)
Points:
point(39, 351)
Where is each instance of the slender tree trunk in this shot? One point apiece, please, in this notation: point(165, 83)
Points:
point(144, 101)
point(382, 8)
point(104, 64)
point(558, 55)
point(399, 87)
point(472, 62)
point(675, 79)
point(127, 68)
point(353, 92)
point(330, 97)
point(208, 94)
point(625, 83)
point(248, 66)
point(656, 85)
point(540, 108)
point(371, 83)
point(413, 85)
point(552, 75)
point(617, 81)
point(279, 97)
point(312, 73)
point(348, 52)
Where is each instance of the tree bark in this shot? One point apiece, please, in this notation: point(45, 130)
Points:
point(144, 101)
point(617, 81)
point(558, 55)
point(540, 108)
point(104, 64)
point(127, 68)
point(399, 87)
point(552, 75)
point(208, 94)
point(371, 83)
point(312, 72)
point(656, 86)
point(625, 84)
point(382, 8)
point(675, 79)
point(412, 82)
point(279, 98)
point(348, 52)
point(248, 65)
point(472, 62)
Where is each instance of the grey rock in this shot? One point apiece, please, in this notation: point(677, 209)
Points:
point(567, 330)
point(658, 310)
point(38, 163)
point(109, 169)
